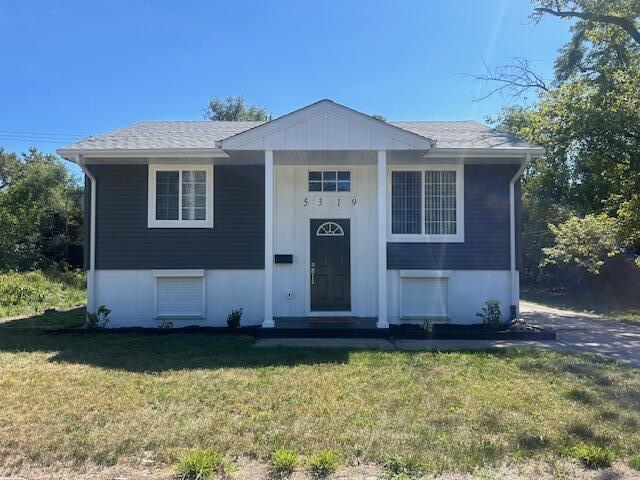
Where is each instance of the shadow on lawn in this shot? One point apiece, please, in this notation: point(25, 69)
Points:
point(149, 352)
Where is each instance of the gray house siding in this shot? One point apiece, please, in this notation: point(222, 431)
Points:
point(486, 227)
point(123, 240)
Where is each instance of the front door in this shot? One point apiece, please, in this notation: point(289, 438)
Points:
point(330, 267)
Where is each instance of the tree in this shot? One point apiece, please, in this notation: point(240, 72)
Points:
point(234, 109)
point(585, 242)
point(588, 120)
point(40, 211)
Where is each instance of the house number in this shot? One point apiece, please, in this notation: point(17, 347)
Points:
point(320, 201)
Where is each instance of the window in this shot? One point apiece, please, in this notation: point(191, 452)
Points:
point(180, 293)
point(427, 204)
point(180, 196)
point(330, 181)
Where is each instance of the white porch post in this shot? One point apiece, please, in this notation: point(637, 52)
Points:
point(268, 239)
point(382, 240)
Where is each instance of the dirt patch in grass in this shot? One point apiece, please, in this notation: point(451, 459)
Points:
point(540, 469)
point(96, 399)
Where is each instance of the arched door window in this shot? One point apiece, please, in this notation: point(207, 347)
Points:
point(330, 229)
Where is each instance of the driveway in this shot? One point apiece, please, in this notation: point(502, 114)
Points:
point(582, 332)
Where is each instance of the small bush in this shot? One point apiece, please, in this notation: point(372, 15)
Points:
point(200, 465)
point(490, 313)
point(323, 463)
point(100, 318)
point(283, 462)
point(592, 456)
point(634, 461)
point(233, 319)
point(400, 468)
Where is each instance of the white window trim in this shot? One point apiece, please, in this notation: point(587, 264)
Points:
point(458, 237)
point(151, 211)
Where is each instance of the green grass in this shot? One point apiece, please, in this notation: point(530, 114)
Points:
point(592, 456)
point(283, 462)
point(634, 462)
point(33, 292)
point(615, 309)
point(200, 465)
point(323, 463)
point(105, 397)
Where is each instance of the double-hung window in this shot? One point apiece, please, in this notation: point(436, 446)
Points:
point(427, 204)
point(180, 196)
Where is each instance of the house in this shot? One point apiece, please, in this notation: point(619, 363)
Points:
point(323, 212)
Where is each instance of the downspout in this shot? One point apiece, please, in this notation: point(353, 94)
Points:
point(514, 274)
point(91, 274)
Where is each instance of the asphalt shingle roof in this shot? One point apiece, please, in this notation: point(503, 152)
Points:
point(204, 134)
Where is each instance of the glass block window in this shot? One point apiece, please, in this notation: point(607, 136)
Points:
point(406, 194)
point(330, 181)
point(440, 203)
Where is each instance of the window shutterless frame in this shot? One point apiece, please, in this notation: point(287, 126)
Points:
point(458, 237)
point(151, 211)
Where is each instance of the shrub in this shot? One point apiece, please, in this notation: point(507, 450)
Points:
point(634, 461)
point(401, 468)
point(283, 462)
point(490, 313)
point(323, 463)
point(592, 456)
point(100, 318)
point(200, 465)
point(233, 319)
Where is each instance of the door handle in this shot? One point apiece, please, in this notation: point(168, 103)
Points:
point(313, 273)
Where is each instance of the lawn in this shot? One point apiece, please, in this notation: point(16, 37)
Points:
point(615, 309)
point(32, 292)
point(105, 397)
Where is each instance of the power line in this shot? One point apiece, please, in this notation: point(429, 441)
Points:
point(46, 134)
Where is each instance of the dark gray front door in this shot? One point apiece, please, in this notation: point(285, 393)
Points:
point(330, 265)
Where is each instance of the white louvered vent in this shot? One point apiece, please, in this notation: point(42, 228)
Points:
point(424, 298)
point(180, 297)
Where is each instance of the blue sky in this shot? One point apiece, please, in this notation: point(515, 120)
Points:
point(75, 68)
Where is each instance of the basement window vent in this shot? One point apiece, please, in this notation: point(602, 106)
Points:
point(180, 297)
point(424, 298)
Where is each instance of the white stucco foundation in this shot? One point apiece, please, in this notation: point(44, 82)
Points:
point(468, 290)
point(130, 294)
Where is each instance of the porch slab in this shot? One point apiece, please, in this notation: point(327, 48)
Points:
point(376, 343)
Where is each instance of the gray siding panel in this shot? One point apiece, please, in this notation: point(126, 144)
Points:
point(123, 240)
point(486, 243)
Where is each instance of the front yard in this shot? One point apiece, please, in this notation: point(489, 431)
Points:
point(98, 398)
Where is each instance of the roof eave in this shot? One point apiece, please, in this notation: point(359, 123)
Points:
point(72, 153)
point(501, 152)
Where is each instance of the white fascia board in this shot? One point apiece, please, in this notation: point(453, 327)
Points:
point(484, 152)
point(237, 141)
point(71, 154)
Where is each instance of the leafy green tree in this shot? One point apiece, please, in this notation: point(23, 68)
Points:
point(40, 211)
point(588, 120)
point(234, 109)
point(585, 242)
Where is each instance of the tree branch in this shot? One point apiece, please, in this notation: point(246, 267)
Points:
point(513, 80)
point(626, 24)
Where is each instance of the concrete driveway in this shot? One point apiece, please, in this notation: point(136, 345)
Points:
point(581, 332)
